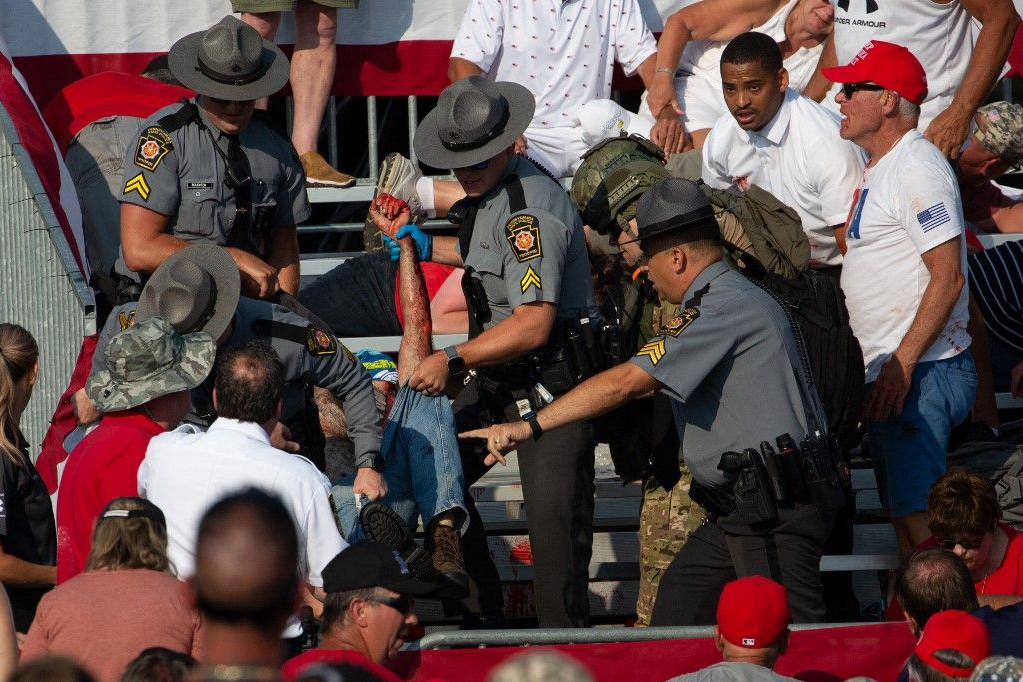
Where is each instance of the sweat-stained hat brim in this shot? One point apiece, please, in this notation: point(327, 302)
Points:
point(191, 368)
point(183, 60)
point(432, 151)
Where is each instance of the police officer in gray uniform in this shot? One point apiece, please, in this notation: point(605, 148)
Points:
point(197, 288)
point(205, 170)
point(747, 414)
point(528, 288)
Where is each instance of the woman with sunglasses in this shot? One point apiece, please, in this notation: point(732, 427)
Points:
point(964, 516)
point(127, 600)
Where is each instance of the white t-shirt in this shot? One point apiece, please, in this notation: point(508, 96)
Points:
point(799, 158)
point(564, 52)
point(186, 471)
point(907, 205)
point(938, 34)
point(698, 81)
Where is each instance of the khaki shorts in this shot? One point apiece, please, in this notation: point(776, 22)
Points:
point(260, 6)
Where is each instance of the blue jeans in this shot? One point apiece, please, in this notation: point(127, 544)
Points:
point(423, 469)
point(909, 451)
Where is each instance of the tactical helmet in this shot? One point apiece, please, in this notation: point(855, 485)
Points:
point(599, 201)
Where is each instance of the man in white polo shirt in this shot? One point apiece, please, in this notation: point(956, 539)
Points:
point(903, 278)
point(783, 143)
point(186, 471)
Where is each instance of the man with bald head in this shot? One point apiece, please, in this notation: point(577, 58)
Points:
point(246, 583)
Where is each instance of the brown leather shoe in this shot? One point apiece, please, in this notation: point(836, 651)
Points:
point(446, 546)
point(319, 173)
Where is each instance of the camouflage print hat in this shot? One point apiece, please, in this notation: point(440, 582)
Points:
point(149, 360)
point(1001, 130)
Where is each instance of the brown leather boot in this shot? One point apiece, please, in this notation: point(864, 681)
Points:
point(446, 546)
point(319, 173)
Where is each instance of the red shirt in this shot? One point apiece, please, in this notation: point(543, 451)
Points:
point(292, 667)
point(103, 466)
point(109, 93)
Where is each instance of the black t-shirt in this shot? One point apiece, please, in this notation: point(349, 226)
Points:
point(27, 528)
point(357, 297)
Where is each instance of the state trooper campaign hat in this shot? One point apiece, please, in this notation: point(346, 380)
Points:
point(372, 564)
point(148, 360)
point(672, 204)
point(474, 120)
point(229, 61)
point(195, 289)
point(1000, 130)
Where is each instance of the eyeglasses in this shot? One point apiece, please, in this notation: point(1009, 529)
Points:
point(482, 165)
point(965, 543)
point(402, 604)
point(849, 88)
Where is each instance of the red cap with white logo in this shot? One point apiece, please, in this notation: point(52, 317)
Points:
point(753, 612)
point(891, 66)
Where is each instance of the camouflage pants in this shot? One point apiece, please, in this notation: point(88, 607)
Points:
point(665, 521)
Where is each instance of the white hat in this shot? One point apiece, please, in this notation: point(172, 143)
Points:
point(604, 118)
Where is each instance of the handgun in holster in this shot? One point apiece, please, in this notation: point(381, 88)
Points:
point(754, 503)
point(719, 502)
point(821, 473)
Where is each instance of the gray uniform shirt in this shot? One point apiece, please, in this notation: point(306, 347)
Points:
point(730, 363)
point(537, 254)
point(319, 359)
point(180, 174)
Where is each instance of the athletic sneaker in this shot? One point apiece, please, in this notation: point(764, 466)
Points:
point(397, 177)
point(319, 173)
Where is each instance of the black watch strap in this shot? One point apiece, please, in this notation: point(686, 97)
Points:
point(534, 425)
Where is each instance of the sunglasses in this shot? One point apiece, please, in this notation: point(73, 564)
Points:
point(482, 165)
point(950, 543)
point(849, 88)
point(402, 604)
point(225, 102)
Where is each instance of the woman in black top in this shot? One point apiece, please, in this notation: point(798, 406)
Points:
point(28, 535)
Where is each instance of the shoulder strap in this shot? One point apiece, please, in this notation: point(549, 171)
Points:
point(281, 330)
point(181, 117)
point(516, 195)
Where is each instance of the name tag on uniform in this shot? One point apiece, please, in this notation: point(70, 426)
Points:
point(198, 184)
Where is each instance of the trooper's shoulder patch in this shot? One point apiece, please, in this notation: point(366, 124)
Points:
point(319, 342)
point(154, 144)
point(678, 324)
point(126, 319)
point(523, 234)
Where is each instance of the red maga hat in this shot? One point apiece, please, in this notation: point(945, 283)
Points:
point(753, 612)
point(891, 66)
point(954, 630)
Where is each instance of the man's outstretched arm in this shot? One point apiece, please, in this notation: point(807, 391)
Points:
point(416, 341)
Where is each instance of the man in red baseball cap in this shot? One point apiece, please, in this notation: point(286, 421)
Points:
point(953, 643)
point(903, 279)
point(752, 631)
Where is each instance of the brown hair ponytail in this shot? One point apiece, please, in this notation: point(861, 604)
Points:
point(18, 355)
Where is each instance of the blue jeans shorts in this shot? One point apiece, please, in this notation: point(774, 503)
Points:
point(909, 451)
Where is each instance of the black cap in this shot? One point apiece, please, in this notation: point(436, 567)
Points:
point(672, 204)
point(372, 564)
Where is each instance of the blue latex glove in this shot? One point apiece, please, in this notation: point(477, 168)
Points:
point(423, 242)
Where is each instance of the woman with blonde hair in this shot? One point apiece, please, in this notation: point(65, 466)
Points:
point(126, 601)
point(28, 535)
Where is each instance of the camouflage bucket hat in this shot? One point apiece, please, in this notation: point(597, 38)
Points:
point(1001, 130)
point(149, 360)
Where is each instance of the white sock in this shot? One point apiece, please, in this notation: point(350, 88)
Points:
point(424, 188)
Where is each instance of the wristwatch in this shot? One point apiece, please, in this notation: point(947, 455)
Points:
point(456, 365)
point(377, 464)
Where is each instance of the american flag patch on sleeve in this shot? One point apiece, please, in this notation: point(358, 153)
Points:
point(932, 217)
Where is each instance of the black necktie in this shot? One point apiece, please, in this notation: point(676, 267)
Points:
point(239, 178)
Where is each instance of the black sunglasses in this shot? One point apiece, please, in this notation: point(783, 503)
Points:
point(849, 88)
point(402, 604)
point(950, 543)
point(482, 165)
